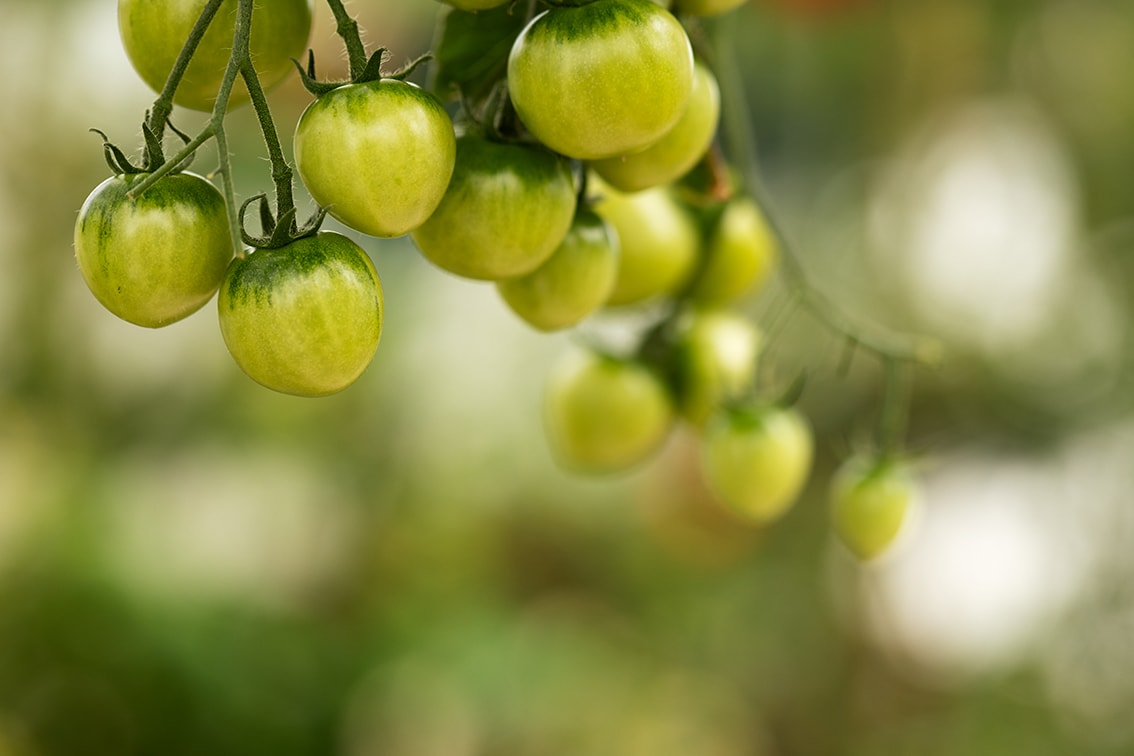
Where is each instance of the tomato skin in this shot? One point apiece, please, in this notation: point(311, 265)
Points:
point(154, 31)
point(378, 155)
point(740, 254)
point(605, 415)
point(672, 156)
point(716, 360)
point(507, 208)
point(757, 462)
point(571, 284)
point(659, 242)
point(304, 319)
point(602, 79)
point(869, 502)
point(157, 259)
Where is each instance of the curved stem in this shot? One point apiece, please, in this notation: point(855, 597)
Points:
point(281, 170)
point(347, 28)
point(163, 105)
point(738, 130)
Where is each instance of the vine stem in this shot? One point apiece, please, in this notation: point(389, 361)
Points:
point(347, 28)
point(738, 132)
point(281, 170)
point(163, 105)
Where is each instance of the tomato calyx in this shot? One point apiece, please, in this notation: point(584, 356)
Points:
point(153, 155)
point(278, 232)
point(371, 71)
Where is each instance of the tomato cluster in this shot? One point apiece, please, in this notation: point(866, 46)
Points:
point(561, 153)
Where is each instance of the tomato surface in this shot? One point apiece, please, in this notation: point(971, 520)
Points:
point(158, 258)
point(870, 500)
point(378, 155)
point(740, 254)
point(154, 31)
point(716, 354)
point(571, 284)
point(303, 319)
point(605, 415)
point(602, 79)
point(507, 208)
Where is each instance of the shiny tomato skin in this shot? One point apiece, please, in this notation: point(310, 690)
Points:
point(870, 501)
point(716, 354)
point(740, 254)
point(378, 155)
point(303, 319)
point(154, 31)
point(158, 258)
point(606, 78)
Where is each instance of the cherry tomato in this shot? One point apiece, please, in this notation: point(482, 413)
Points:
point(378, 155)
point(154, 31)
point(678, 150)
point(740, 254)
point(574, 282)
point(869, 502)
point(305, 318)
point(158, 258)
point(716, 361)
point(606, 78)
point(758, 461)
point(604, 414)
point(507, 208)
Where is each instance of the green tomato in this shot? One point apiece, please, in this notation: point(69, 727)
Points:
point(716, 355)
point(303, 319)
point(678, 151)
point(602, 79)
point(605, 415)
point(758, 461)
point(869, 502)
point(574, 282)
point(378, 155)
point(659, 242)
point(507, 208)
point(740, 254)
point(705, 7)
point(154, 31)
point(158, 258)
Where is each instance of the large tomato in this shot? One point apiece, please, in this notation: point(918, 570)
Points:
point(604, 414)
point(155, 259)
point(605, 78)
point(507, 208)
point(869, 502)
point(305, 318)
point(378, 155)
point(758, 461)
point(659, 242)
point(574, 282)
point(678, 151)
point(154, 31)
point(740, 254)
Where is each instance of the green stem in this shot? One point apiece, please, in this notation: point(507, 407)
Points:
point(347, 28)
point(281, 170)
point(895, 401)
point(738, 130)
point(163, 105)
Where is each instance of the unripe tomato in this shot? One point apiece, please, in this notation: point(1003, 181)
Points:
point(158, 258)
point(678, 151)
point(757, 461)
point(869, 502)
point(740, 254)
point(154, 31)
point(706, 7)
point(507, 208)
point(716, 354)
point(605, 415)
point(303, 319)
point(659, 242)
point(378, 155)
point(574, 282)
point(602, 79)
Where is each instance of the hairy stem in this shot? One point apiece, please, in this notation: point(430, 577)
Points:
point(163, 105)
point(347, 28)
point(281, 170)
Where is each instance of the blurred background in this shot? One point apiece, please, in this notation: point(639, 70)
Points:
point(191, 564)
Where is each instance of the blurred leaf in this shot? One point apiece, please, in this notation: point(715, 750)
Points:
point(472, 51)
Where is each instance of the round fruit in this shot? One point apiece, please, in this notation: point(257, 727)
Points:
point(739, 256)
point(716, 361)
point(757, 461)
point(604, 414)
point(574, 282)
point(706, 7)
point(602, 79)
point(158, 258)
point(659, 242)
point(154, 31)
point(303, 319)
point(507, 208)
point(678, 151)
point(378, 155)
point(869, 501)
